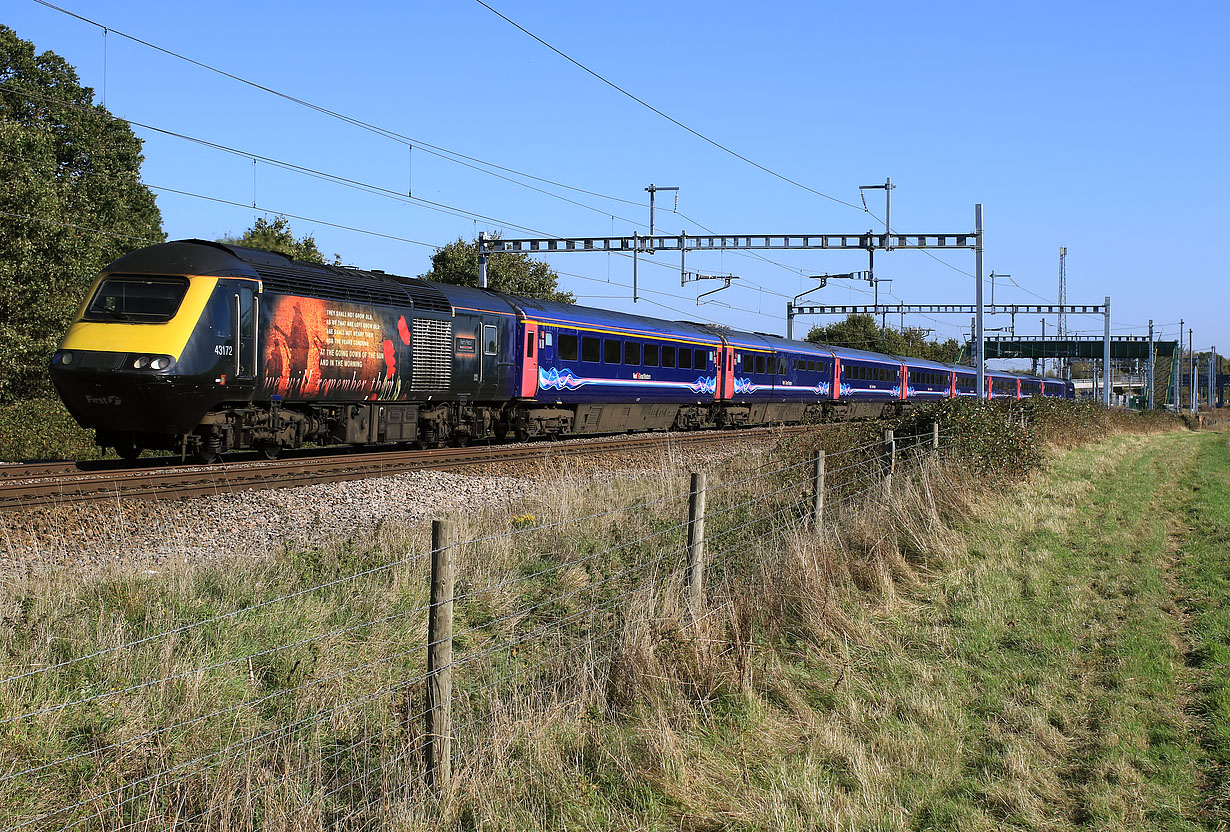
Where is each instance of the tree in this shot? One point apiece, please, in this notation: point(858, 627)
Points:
point(861, 332)
point(512, 272)
point(71, 201)
point(277, 237)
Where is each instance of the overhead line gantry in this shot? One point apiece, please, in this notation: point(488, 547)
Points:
point(636, 244)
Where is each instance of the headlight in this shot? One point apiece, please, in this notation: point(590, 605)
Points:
point(160, 363)
point(141, 363)
point(66, 357)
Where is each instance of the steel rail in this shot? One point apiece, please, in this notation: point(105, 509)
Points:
point(44, 484)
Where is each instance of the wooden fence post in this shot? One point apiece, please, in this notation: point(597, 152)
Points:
point(817, 490)
point(890, 458)
point(935, 437)
point(440, 657)
point(696, 543)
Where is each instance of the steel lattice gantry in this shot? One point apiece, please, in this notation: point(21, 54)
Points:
point(984, 344)
point(1122, 347)
point(636, 244)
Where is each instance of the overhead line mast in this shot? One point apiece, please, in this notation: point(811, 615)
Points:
point(1063, 300)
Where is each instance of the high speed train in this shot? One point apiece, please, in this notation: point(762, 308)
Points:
point(202, 348)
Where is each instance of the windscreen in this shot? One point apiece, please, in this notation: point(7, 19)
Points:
point(137, 299)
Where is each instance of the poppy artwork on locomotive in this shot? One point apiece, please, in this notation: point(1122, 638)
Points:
point(323, 349)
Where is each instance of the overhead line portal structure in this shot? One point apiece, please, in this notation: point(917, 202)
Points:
point(869, 241)
point(977, 310)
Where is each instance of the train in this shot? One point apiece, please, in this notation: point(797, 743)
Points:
point(203, 348)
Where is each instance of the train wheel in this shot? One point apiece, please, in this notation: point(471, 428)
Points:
point(270, 450)
point(209, 452)
point(128, 452)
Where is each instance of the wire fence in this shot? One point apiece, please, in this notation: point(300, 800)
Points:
point(321, 704)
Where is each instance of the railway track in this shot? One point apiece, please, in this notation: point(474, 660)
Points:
point(52, 483)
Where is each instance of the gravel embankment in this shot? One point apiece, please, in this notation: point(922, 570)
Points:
point(251, 524)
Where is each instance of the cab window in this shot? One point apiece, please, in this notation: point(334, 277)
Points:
point(489, 340)
point(138, 299)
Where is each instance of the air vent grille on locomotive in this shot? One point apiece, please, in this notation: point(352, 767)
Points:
point(433, 354)
point(426, 298)
point(334, 287)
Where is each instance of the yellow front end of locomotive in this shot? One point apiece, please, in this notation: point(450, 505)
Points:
point(168, 337)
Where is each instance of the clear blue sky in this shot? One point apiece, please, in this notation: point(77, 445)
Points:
point(1097, 126)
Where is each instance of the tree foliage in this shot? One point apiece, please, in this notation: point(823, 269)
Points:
point(514, 273)
point(71, 201)
point(277, 237)
point(862, 332)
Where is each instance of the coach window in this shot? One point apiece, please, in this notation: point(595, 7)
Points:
point(489, 343)
point(567, 347)
point(685, 358)
point(611, 350)
point(760, 364)
point(651, 355)
point(668, 356)
point(701, 360)
point(591, 349)
point(632, 352)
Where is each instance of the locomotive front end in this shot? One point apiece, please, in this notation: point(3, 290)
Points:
point(157, 345)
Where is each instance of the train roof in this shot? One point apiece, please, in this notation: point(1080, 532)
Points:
point(850, 353)
point(926, 363)
point(588, 317)
point(769, 341)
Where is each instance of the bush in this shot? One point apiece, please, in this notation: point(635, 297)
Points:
point(1000, 438)
point(40, 428)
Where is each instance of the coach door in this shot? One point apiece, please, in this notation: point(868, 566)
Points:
point(529, 359)
point(495, 370)
point(725, 389)
point(244, 321)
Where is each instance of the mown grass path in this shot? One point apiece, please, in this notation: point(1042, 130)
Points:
point(1074, 672)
